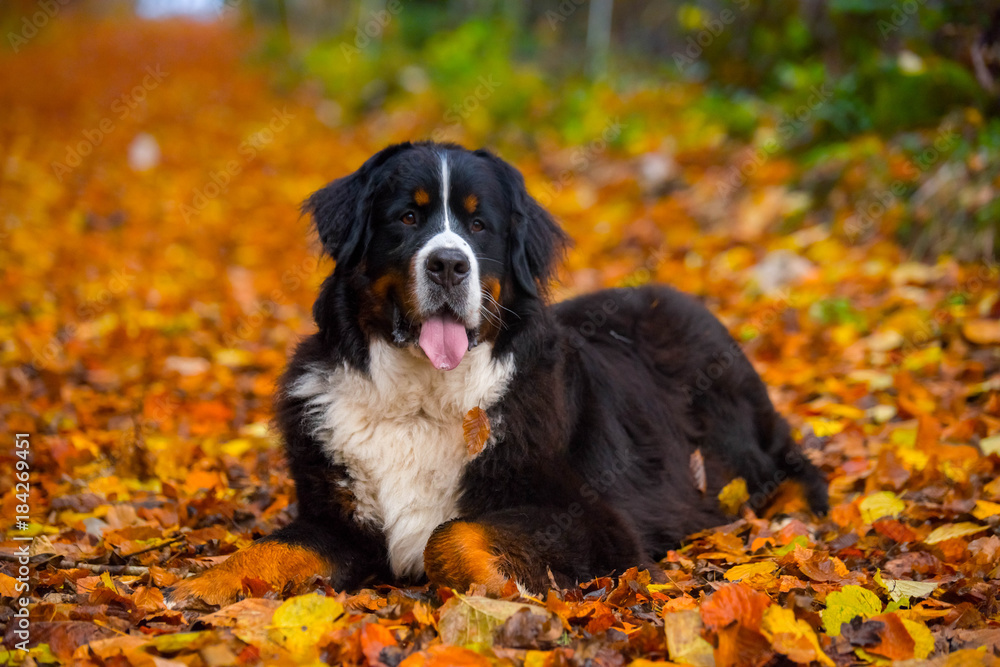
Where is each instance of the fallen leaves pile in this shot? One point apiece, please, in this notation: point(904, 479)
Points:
point(156, 274)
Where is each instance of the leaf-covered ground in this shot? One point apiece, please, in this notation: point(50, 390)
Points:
point(155, 274)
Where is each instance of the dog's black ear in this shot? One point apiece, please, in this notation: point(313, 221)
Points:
point(537, 242)
point(341, 210)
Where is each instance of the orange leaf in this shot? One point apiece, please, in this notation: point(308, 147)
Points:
point(476, 428)
point(894, 530)
point(375, 638)
point(735, 603)
point(896, 643)
point(982, 332)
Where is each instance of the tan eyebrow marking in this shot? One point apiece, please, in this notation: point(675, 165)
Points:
point(471, 202)
point(421, 197)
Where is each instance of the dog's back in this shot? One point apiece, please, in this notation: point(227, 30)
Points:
point(656, 377)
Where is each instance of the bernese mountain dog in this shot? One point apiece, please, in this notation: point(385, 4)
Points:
point(434, 323)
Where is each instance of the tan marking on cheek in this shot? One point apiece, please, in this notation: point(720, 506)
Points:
point(421, 197)
point(471, 202)
point(492, 286)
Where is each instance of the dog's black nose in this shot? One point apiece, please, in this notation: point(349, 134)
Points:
point(448, 267)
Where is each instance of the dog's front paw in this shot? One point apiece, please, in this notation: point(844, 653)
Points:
point(276, 564)
point(215, 587)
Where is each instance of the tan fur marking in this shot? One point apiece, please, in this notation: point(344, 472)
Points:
point(276, 563)
point(471, 202)
point(421, 197)
point(460, 555)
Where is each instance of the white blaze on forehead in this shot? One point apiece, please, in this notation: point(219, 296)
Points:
point(447, 238)
point(445, 191)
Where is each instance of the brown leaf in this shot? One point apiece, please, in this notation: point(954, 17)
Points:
point(528, 630)
point(697, 466)
point(476, 429)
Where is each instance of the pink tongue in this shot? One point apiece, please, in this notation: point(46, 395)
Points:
point(444, 341)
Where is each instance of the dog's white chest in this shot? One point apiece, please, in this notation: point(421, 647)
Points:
point(398, 430)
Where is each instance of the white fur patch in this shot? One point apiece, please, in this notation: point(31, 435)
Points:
point(398, 430)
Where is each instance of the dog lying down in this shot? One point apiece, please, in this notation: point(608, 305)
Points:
point(435, 317)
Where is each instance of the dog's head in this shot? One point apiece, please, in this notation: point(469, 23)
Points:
point(440, 246)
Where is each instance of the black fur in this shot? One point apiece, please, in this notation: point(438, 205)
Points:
point(613, 392)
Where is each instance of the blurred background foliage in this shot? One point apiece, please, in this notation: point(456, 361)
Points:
point(841, 86)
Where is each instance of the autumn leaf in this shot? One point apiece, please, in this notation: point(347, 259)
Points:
point(952, 531)
point(300, 621)
point(476, 430)
point(733, 495)
point(899, 588)
point(753, 574)
point(880, 505)
point(697, 468)
point(982, 331)
point(469, 621)
point(846, 604)
point(684, 640)
point(734, 603)
point(792, 637)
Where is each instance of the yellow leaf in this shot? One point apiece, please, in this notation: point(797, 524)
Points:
point(985, 509)
point(792, 637)
point(846, 604)
point(733, 495)
point(952, 530)
point(881, 504)
point(923, 640)
point(990, 445)
point(751, 572)
point(825, 427)
point(300, 621)
point(900, 588)
point(684, 641)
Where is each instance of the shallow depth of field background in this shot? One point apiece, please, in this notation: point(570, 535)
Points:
point(823, 175)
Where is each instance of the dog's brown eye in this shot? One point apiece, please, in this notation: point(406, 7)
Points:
point(477, 225)
point(408, 218)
